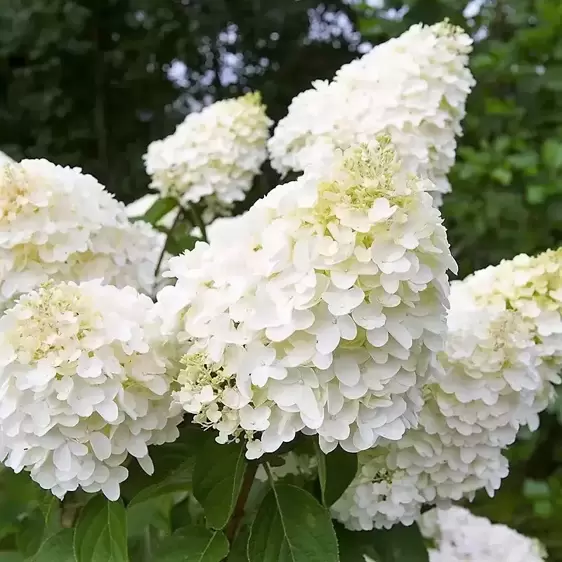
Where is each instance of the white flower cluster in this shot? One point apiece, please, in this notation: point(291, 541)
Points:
point(502, 356)
point(430, 464)
point(504, 347)
point(214, 154)
point(462, 537)
point(83, 384)
point(325, 315)
point(59, 224)
point(413, 87)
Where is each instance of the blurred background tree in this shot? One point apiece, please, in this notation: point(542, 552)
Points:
point(91, 83)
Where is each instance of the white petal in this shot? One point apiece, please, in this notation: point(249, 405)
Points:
point(342, 279)
point(62, 458)
point(377, 337)
point(347, 370)
point(347, 327)
point(101, 445)
point(146, 464)
point(110, 490)
point(400, 333)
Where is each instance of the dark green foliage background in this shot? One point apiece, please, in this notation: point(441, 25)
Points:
point(84, 83)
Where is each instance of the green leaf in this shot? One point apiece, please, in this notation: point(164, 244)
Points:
point(160, 209)
point(177, 480)
point(239, 548)
point(18, 498)
point(173, 471)
point(536, 194)
point(552, 153)
point(217, 479)
point(58, 548)
point(335, 471)
point(355, 545)
point(543, 508)
point(400, 544)
point(180, 242)
point(502, 175)
point(291, 526)
point(39, 525)
point(11, 556)
point(536, 489)
point(155, 513)
point(322, 471)
point(193, 544)
point(101, 532)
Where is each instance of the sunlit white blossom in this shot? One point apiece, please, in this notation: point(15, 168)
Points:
point(213, 155)
point(413, 87)
point(84, 383)
point(325, 313)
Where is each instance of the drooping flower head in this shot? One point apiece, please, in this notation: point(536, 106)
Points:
point(213, 155)
point(57, 223)
point(462, 537)
point(324, 316)
point(83, 384)
point(413, 87)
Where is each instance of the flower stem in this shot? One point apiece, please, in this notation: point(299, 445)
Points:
point(198, 220)
point(269, 474)
point(238, 513)
point(161, 257)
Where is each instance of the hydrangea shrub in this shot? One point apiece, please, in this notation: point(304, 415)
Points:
point(301, 382)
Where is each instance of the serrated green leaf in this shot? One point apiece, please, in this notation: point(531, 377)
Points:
point(160, 209)
point(193, 544)
point(335, 472)
point(291, 526)
point(217, 479)
point(400, 544)
point(58, 548)
point(101, 532)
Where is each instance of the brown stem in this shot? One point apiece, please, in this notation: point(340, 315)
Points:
point(238, 513)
